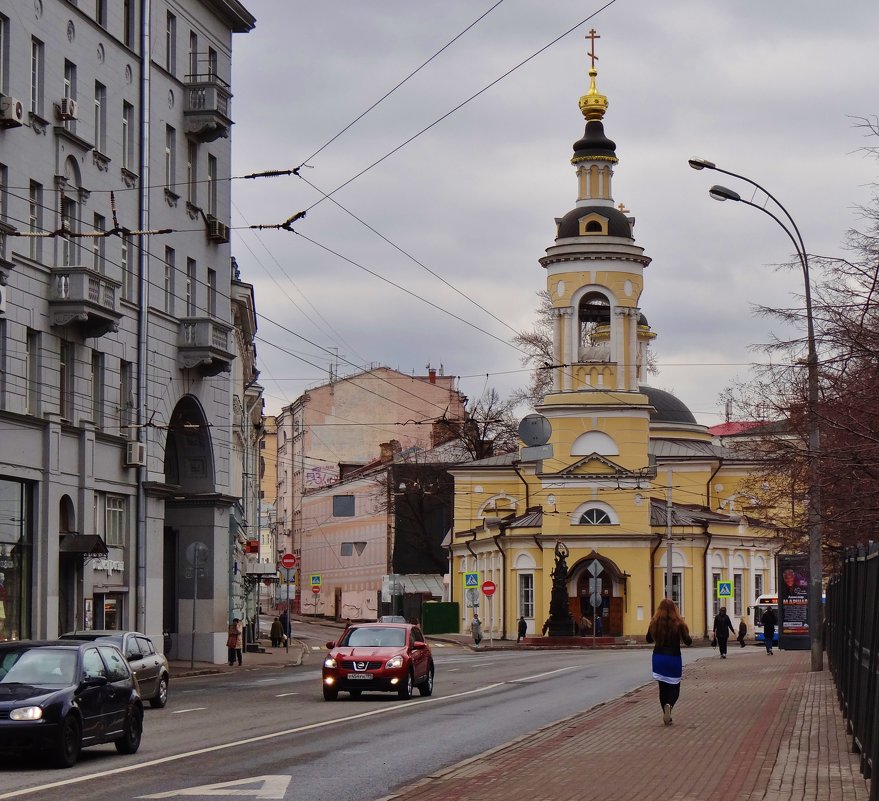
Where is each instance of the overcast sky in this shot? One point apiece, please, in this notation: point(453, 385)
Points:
point(771, 90)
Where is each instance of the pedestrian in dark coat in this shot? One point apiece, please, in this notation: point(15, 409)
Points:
point(769, 621)
point(743, 632)
point(277, 633)
point(285, 624)
point(522, 629)
point(667, 631)
point(722, 629)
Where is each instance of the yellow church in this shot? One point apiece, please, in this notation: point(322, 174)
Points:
point(615, 477)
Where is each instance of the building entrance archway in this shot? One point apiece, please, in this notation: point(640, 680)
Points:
point(597, 577)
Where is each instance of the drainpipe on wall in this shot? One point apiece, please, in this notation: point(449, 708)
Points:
point(708, 485)
point(515, 466)
point(653, 578)
point(496, 537)
point(142, 321)
point(706, 586)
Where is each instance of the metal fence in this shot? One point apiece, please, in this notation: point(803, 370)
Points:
point(852, 640)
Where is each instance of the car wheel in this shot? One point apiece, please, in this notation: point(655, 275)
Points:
point(405, 690)
point(426, 687)
point(355, 693)
point(161, 697)
point(330, 693)
point(129, 742)
point(69, 743)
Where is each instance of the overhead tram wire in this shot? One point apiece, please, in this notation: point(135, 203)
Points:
point(387, 94)
point(460, 105)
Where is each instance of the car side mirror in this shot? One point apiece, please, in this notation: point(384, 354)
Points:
point(133, 657)
point(331, 644)
point(93, 681)
point(418, 645)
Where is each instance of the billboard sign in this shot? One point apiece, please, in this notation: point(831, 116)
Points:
point(793, 602)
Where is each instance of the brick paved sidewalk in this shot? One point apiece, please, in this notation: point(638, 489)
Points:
point(750, 728)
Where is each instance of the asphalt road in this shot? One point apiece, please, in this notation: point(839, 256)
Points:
point(267, 733)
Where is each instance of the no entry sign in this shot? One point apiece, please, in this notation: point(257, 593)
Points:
point(488, 588)
point(316, 589)
point(288, 560)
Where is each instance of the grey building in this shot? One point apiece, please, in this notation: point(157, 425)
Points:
point(119, 500)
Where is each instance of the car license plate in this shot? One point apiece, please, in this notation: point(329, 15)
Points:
point(360, 675)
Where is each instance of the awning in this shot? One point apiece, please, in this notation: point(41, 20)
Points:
point(86, 544)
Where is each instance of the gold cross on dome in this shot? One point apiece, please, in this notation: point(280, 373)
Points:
point(593, 36)
point(622, 208)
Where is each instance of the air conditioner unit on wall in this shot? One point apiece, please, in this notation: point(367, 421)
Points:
point(11, 112)
point(135, 454)
point(67, 108)
point(217, 231)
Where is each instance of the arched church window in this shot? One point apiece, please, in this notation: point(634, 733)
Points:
point(595, 517)
point(593, 227)
point(593, 315)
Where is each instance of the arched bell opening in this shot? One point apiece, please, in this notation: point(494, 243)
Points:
point(593, 320)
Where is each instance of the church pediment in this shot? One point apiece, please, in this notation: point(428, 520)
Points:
point(595, 466)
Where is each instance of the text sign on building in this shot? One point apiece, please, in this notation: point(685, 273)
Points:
point(471, 580)
point(793, 602)
point(724, 589)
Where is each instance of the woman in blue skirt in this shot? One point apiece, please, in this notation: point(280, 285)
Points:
point(667, 631)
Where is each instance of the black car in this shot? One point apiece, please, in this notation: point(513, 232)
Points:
point(61, 696)
point(150, 667)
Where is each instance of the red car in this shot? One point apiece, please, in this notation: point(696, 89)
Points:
point(378, 657)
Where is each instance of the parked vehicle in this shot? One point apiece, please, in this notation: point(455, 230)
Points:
point(150, 667)
point(383, 657)
point(60, 696)
point(392, 619)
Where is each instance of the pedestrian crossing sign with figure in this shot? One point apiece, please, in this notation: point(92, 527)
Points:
point(724, 589)
point(471, 580)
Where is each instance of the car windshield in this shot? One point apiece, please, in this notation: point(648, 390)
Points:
point(375, 636)
point(38, 666)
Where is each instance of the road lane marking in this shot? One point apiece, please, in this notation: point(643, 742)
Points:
point(191, 709)
point(274, 787)
point(261, 738)
point(284, 695)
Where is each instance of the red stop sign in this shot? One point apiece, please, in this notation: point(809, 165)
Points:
point(288, 561)
point(488, 587)
point(316, 589)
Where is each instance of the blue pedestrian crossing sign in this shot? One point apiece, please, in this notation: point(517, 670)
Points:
point(471, 580)
point(724, 589)
point(315, 579)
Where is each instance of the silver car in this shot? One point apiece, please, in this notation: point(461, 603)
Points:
point(150, 668)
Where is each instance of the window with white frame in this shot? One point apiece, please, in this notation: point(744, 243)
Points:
point(101, 12)
point(738, 592)
point(595, 517)
point(116, 521)
point(758, 585)
point(4, 53)
point(65, 379)
point(526, 595)
point(192, 172)
point(212, 293)
point(98, 389)
point(715, 601)
point(170, 42)
point(128, 276)
point(100, 117)
point(677, 589)
point(168, 283)
point(99, 244)
point(38, 56)
point(212, 186)
point(193, 53)
point(190, 287)
point(128, 136)
point(69, 248)
point(35, 219)
point(128, 22)
point(70, 91)
point(170, 148)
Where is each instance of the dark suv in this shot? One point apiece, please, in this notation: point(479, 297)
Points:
point(384, 657)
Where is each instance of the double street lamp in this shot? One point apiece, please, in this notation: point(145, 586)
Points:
point(813, 520)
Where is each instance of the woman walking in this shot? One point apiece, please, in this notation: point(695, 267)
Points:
point(667, 631)
point(743, 632)
point(722, 629)
point(234, 641)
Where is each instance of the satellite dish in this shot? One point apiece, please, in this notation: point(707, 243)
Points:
point(534, 430)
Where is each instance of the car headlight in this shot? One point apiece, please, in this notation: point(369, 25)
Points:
point(395, 662)
point(26, 713)
point(329, 662)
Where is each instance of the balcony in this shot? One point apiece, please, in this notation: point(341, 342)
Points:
point(85, 297)
point(203, 345)
point(206, 107)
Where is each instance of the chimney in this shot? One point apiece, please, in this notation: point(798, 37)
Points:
point(388, 449)
point(431, 375)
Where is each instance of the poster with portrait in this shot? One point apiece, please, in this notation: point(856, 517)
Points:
point(793, 601)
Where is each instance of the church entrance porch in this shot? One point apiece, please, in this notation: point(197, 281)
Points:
point(599, 596)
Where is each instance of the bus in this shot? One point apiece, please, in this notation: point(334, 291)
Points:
point(763, 603)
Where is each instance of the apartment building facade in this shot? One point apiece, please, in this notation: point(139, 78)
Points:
point(120, 499)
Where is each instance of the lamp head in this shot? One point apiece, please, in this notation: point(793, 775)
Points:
point(722, 193)
point(701, 164)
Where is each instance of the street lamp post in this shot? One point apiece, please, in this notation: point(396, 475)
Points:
point(814, 524)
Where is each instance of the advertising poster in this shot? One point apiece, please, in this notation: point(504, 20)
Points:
point(793, 602)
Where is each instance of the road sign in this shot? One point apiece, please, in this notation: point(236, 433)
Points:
point(315, 580)
point(724, 589)
point(595, 599)
point(471, 580)
point(288, 560)
point(595, 567)
point(472, 595)
point(488, 588)
point(316, 589)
